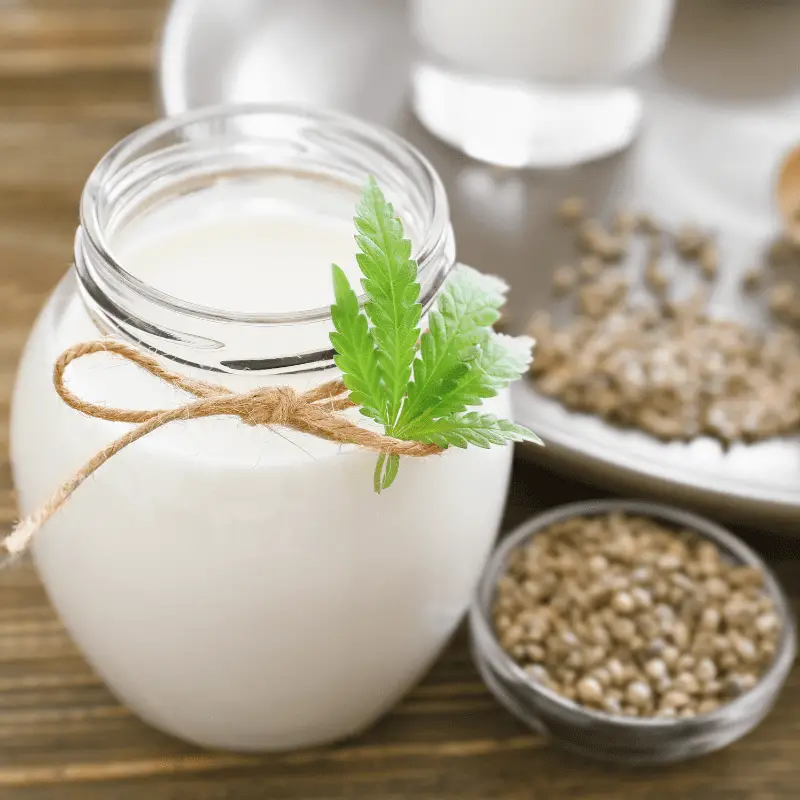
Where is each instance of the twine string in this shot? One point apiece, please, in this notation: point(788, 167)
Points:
point(316, 412)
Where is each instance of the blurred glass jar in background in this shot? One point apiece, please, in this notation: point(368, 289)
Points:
point(539, 83)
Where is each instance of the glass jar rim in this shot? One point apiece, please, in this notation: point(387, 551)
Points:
point(94, 238)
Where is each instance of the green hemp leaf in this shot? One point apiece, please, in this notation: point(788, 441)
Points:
point(421, 388)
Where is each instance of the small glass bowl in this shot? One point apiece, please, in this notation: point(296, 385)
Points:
point(628, 740)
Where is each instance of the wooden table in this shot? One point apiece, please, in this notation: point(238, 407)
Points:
point(74, 78)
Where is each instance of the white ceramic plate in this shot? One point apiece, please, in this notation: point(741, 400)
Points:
point(721, 108)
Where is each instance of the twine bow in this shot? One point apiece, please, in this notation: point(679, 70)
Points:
point(316, 412)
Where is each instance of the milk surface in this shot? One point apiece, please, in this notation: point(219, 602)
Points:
point(263, 247)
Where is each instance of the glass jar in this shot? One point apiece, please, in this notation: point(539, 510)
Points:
point(534, 82)
point(237, 586)
point(640, 741)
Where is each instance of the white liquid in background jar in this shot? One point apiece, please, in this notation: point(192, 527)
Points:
point(543, 40)
point(237, 586)
point(538, 71)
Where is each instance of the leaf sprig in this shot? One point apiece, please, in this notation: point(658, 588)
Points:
point(421, 388)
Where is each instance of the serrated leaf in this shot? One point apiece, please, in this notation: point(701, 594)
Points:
point(472, 428)
point(500, 361)
point(386, 470)
point(506, 358)
point(377, 477)
point(392, 466)
point(356, 354)
point(390, 283)
point(461, 361)
point(468, 304)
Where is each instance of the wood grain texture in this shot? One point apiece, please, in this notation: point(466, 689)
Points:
point(75, 77)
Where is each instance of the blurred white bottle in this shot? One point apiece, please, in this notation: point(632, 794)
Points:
point(534, 82)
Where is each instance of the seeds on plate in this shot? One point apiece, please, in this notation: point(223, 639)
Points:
point(624, 223)
point(590, 268)
point(595, 240)
point(783, 252)
point(655, 246)
point(660, 364)
point(674, 378)
point(598, 298)
point(576, 609)
point(690, 242)
point(571, 210)
point(564, 279)
point(708, 260)
point(783, 299)
point(647, 224)
point(753, 279)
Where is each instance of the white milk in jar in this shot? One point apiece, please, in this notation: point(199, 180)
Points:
point(238, 586)
point(534, 82)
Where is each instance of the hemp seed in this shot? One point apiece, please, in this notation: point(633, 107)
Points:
point(564, 280)
point(647, 224)
point(655, 279)
point(708, 260)
point(753, 279)
point(626, 629)
point(571, 210)
point(690, 242)
point(590, 268)
point(782, 299)
point(661, 364)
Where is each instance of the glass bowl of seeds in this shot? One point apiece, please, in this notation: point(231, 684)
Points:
point(632, 632)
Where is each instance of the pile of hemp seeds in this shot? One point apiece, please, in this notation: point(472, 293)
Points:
point(624, 615)
point(661, 364)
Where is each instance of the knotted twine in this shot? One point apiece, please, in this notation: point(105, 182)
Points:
point(315, 412)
